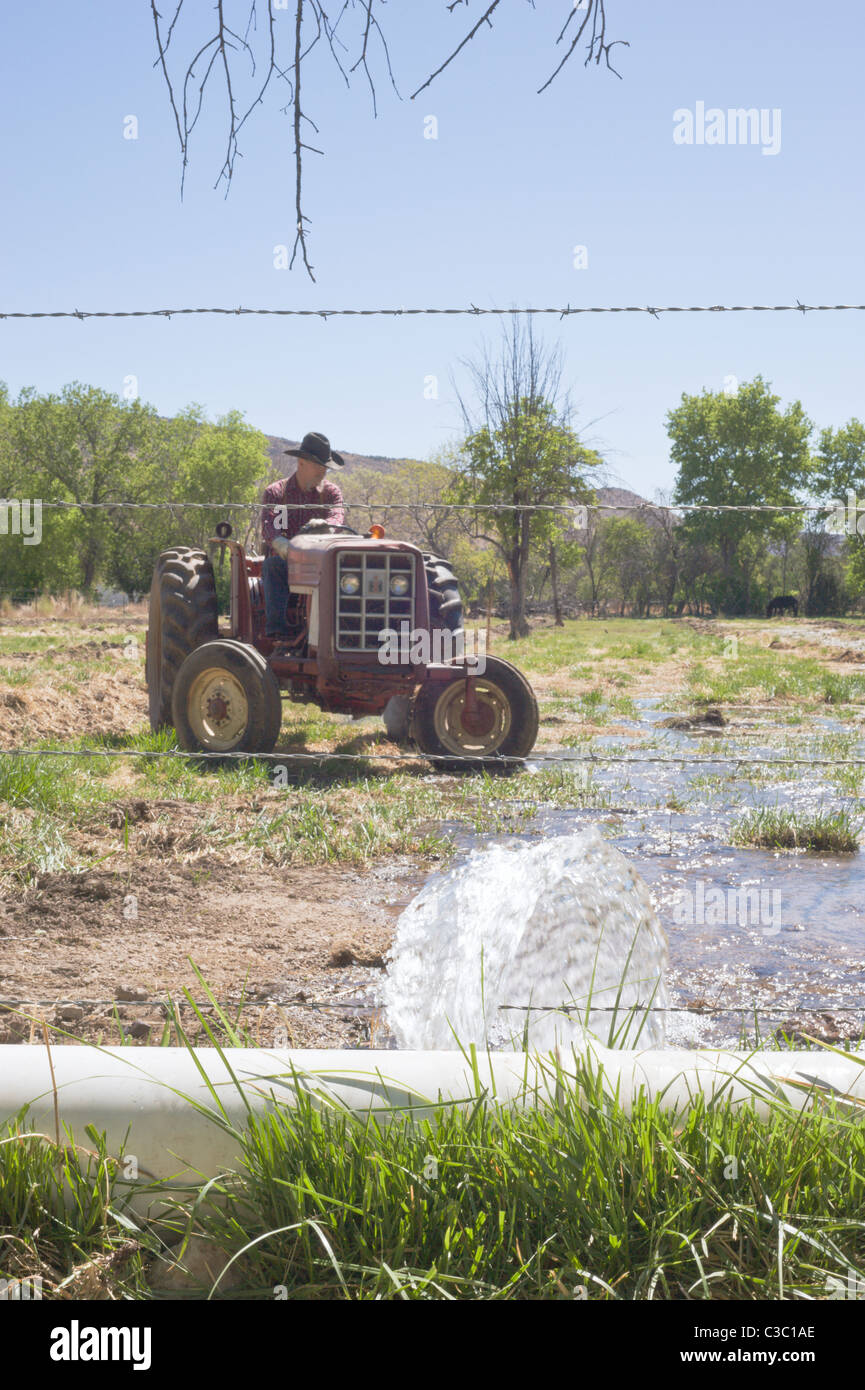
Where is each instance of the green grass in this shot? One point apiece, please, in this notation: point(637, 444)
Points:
point(323, 833)
point(759, 677)
point(624, 706)
point(55, 812)
point(841, 690)
point(489, 1202)
point(328, 812)
point(57, 1218)
point(38, 642)
point(14, 675)
point(534, 1204)
point(585, 648)
point(771, 828)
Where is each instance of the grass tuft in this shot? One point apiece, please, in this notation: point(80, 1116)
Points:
point(771, 828)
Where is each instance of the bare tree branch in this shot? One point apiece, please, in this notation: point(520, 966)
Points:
point(598, 46)
point(300, 234)
point(484, 19)
point(162, 49)
point(226, 51)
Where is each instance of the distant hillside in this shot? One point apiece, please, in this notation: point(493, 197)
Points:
point(281, 467)
point(621, 497)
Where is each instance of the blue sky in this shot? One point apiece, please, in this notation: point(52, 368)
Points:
point(489, 213)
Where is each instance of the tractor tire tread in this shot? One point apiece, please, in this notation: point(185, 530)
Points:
point(183, 615)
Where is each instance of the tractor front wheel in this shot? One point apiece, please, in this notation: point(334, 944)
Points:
point(226, 700)
point(446, 613)
point(461, 728)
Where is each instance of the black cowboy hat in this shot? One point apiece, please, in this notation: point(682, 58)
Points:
point(317, 447)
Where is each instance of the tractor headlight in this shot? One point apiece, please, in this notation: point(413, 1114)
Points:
point(400, 585)
point(350, 584)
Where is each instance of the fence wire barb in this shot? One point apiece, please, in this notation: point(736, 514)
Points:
point(653, 310)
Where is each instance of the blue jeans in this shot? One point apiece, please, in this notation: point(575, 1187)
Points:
point(274, 580)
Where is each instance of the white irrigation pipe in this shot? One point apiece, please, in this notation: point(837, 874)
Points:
point(141, 1097)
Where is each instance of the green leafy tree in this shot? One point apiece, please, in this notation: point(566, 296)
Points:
point(667, 555)
point(629, 550)
point(85, 447)
point(598, 558)
point(82, 447)
point(409, 488)
point(190, 460)
point(734, 450)
point(839, 476)
point(26, 569)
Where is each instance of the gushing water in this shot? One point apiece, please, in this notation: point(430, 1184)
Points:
point(564, 922)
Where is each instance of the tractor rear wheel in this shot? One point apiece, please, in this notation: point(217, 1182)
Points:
point(226, 700)
point(445, 604)
point(502, 724)
point(183, 614)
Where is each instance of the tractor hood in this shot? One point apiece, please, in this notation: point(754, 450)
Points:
point(307, 555)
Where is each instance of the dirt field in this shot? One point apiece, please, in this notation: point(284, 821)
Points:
point(93, 951)
point(116, 877)
point(280, 943)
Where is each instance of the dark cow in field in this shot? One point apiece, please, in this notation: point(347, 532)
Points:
point(784, 603)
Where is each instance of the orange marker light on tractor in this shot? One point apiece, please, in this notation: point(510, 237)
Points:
point(377, 532)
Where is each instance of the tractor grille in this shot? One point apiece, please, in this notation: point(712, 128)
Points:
point(361, 615)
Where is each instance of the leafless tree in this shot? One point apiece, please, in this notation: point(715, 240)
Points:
point(250, 53)
point(521, 452)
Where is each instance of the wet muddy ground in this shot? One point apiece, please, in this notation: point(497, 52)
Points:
point(759, 940)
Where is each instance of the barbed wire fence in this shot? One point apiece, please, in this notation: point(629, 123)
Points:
point(471, 309)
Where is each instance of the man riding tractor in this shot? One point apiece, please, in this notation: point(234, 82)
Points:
point(354, 623)
point(291, 504)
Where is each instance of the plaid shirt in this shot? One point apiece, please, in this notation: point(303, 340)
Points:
point(285, 492)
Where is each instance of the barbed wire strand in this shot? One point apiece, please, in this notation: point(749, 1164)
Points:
point(474, 310)
point(567, 507)
point(492, 760)
point(319, 1005)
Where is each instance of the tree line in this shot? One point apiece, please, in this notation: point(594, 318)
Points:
point(731, 448)
point(520, 448)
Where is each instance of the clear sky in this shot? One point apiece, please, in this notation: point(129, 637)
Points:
point(488, 213)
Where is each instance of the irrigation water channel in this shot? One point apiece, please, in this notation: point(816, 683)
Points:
point(761, 942)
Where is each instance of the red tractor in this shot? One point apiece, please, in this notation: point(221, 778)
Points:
point(221, 689)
